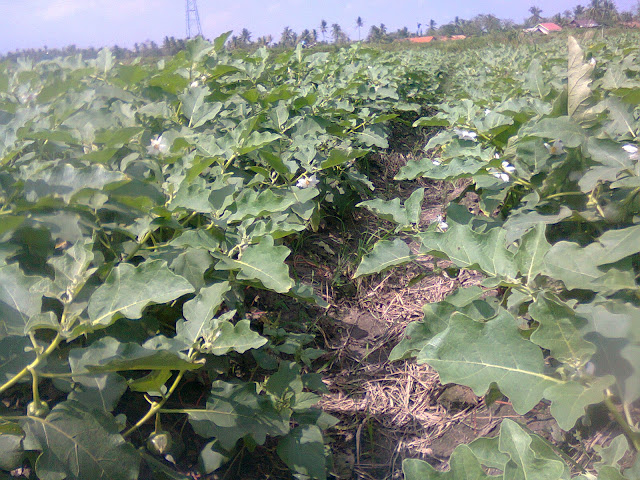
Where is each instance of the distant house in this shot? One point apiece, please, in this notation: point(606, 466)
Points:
point(583, 23)
point(545, 28)
point(421, 39)
point(432, 38)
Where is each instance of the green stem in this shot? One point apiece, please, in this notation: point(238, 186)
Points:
point(633, 437)
point(138, 246)
point(156, 406)
point(33, 365)
point(36, 392)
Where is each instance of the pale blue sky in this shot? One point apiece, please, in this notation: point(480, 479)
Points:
point(56, 23)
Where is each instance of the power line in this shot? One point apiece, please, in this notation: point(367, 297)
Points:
point(193, 19)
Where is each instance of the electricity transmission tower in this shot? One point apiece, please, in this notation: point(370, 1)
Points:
point(193, 19)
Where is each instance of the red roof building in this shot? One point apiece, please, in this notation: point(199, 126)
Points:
point(421, 39)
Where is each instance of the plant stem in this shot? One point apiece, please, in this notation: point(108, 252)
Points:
point(633, 437)
point(33, 365)
point(156, 406)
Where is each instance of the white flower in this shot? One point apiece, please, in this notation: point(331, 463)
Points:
point(507, 167)
point(158, 145)
point(442, 225)
point(436, 162)
point(27, 97)
point(556, 149)
point(487, 111)
point(306, 182)
point(465, 134)
point(194, 84)
point(502, 176)
point(592, 61)
point(632, 150)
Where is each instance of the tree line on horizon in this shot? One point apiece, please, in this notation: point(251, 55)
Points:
point(604, 12)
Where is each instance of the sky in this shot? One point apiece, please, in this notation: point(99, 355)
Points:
point(85, 23)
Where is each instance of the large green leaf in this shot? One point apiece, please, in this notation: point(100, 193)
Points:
point(463, 465)
point(581, 268)
point(392, 210)
point(570, 400)
point(200, 311)
point(385, 254)
point(229, 337)
point(263, 262)
point(79, 443)
point(578, 82)
point(303, 451)
point(20, 299)
point(64, 181)
point(236, 410)
point(530, 255)
point(128, 289)
point(470, 249)
point(109, 355)
point(560, 330)
point(525, 463)
point(72, 270)
point(478, 354)
point(196, 108)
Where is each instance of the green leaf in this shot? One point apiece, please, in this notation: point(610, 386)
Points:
point(385, 254)
point(15, 354)
point(20, 299)
point(530, 255)
point(212, 457)
point(234, 410)
point(463, 465)
point(128, 289)
point(64, 181)
point(11, 448)
point(303, 451)
point(524, 463)
point(228, 337)
point(99, 391)
point(109, 355)
point(338, 156)
point(72, 270)
point(534, 79)
point(199, 311)
point(392, 210)
point(160, 470)
point(263, 262)
point(570, 400)
point(560, 330)
point(578, 82)
point(469, 249)
point(79, 443)
point(569, 262)
point(477, 354)
point(196, 109)
point(373, 136)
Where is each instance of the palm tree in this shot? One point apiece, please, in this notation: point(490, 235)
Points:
point(336, 33)
point(323, 28)
point(536, 15)
point(432, 26)
point(578, 10)
point(359, 24)
point(419, 32)
point(245, 36)
point(288, 37)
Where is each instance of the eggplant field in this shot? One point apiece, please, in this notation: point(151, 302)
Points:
point(417, 263)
